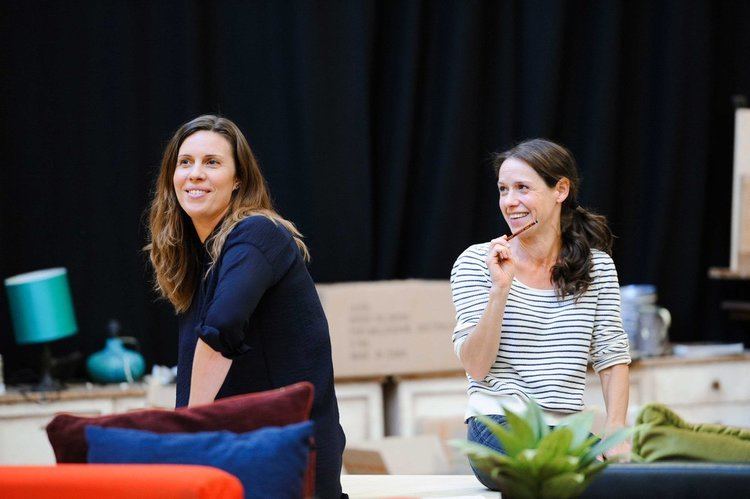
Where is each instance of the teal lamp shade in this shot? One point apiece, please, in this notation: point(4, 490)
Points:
point(41, 307)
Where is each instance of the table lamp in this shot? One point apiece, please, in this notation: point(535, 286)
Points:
point(41, 309)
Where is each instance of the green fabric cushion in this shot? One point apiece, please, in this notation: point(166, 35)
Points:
point(666, 436)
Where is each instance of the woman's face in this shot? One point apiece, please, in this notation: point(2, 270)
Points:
point(204, 178)
point(524, 196)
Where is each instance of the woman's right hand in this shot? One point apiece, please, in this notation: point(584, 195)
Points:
point(501, 263)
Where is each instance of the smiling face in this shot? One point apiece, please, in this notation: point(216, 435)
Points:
point(204, 179)
point(524, 196)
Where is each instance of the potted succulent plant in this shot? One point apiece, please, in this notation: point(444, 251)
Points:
point(542, 462)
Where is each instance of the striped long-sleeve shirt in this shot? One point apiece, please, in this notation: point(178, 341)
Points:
point(545, 343)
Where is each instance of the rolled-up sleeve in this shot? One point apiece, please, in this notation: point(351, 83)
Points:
point(609, 343)
point(244, 275)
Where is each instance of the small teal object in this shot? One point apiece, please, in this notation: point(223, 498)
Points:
point(40, 306)
point(115, 363)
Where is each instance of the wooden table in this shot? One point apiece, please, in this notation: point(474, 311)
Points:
point(403, 486)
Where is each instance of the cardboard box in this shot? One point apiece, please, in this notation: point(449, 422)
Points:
point(447, 429)
point(421, 455)
point(390, 327)
point(434, 407)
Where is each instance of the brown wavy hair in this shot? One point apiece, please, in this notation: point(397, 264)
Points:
point(173, 245)
point(581, 230)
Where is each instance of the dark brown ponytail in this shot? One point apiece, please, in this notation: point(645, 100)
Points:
point(581, 230)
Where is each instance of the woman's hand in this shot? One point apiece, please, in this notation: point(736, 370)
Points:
point(501, 263)
point(621, 450)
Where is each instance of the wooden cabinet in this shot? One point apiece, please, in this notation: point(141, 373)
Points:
point(711, 390)
point(360, 406)
point(714, 390)
point(24, 416)
point(415, 405)
point(361, 410)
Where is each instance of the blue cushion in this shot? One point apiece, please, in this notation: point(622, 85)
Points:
point(270, 462)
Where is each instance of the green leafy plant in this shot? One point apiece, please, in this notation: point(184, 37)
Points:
point(542, 462)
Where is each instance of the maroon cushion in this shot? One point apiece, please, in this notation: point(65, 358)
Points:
point(241, 413)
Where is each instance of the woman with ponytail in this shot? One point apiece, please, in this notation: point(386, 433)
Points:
point(234, 270)
point(534, 309)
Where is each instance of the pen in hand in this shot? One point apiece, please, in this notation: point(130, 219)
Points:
point(523, 229)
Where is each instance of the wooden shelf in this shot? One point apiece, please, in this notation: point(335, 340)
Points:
point(86, 391)
point(727, 274)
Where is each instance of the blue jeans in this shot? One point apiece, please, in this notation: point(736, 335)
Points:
point(480, 434)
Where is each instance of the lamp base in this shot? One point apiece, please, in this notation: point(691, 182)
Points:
point(47, 383)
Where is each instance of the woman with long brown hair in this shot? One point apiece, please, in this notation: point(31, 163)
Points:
point(533, 309)
point(234, 270)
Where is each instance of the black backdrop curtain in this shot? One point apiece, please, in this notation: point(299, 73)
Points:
point(373, 122)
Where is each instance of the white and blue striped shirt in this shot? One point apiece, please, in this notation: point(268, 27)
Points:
point(545, 343)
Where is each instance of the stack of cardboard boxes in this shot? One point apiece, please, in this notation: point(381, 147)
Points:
point(395, 336)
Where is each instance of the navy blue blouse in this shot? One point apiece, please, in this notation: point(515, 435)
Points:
point(259, 307)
